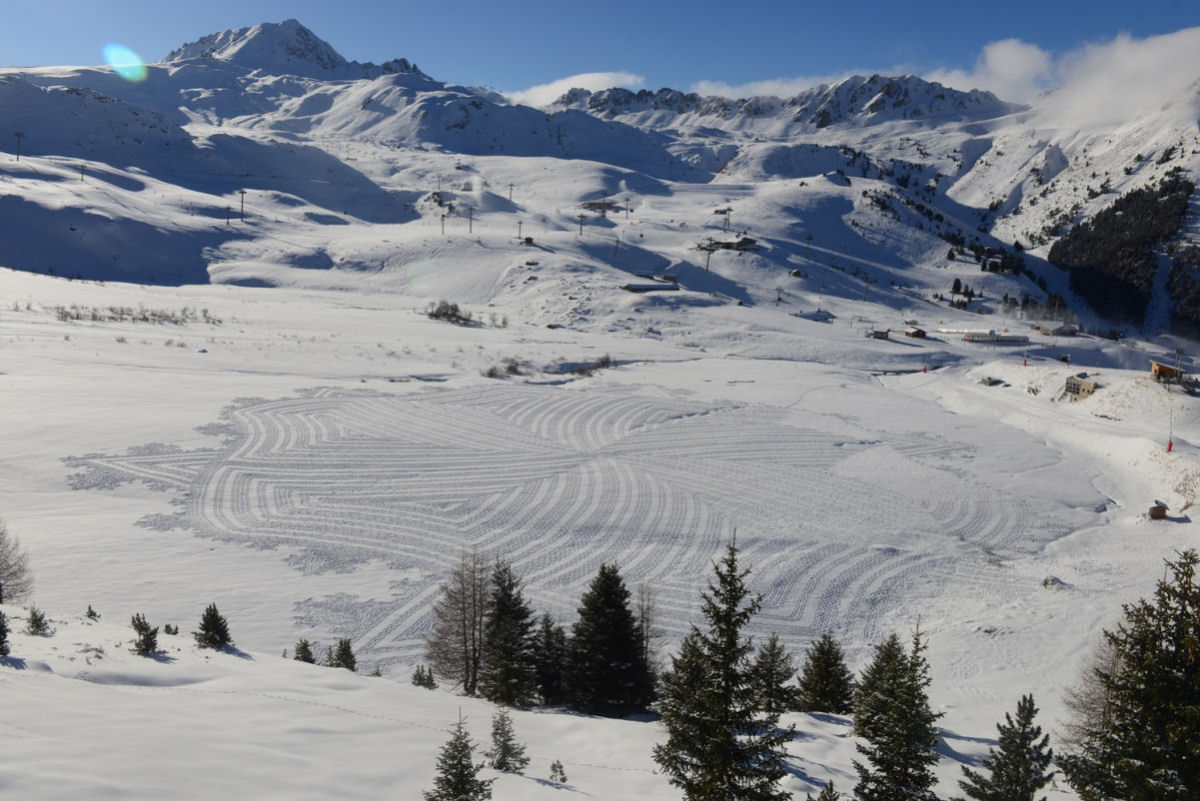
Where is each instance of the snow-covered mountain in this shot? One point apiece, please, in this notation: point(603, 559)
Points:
point(939, 165)
point(285, 48)
point(856, 100)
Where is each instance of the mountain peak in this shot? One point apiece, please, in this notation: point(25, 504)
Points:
point(283, 48)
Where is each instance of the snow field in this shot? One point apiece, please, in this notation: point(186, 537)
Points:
point(559, 481)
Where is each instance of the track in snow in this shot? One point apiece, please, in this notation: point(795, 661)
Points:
point(558, 482)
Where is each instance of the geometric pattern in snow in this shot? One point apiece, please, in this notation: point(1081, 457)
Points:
point(558, 481)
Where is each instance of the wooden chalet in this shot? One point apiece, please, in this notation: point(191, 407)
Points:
point(1165, 372)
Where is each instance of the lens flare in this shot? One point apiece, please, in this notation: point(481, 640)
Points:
point(124, 62)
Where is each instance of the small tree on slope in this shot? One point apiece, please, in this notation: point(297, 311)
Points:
point(304, 652)
point(721, 746)
point(4, 646)
point(214, 630)
point(892, 713)
point(16, 580)
point(1017, 766)
point(457, 773)
point(826, 684)
point(343, 656)
point(146, 642)
point(422, 676)
point(827, 794)
point(506, 754)
point(1146, 745)
point(37, 624)
point(772, 670)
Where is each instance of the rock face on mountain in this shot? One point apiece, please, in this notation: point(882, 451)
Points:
point(856, 100)
point(284, 48)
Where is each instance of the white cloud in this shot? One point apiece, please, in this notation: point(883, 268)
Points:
point(1014, 70)
point(1125, 78)
point(776, 87)
point(547, 93)
point(1103, 82)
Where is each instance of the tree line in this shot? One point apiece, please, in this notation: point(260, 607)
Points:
point(1135, 734)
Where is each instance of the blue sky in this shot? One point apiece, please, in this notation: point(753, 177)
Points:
point(712, 45)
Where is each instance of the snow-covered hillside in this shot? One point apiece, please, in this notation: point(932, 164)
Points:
point(219, 383)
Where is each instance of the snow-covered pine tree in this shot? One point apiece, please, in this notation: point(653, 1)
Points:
point(551, 661)
point(772, 670)
point(720, 744)
point(607, 669)
point(1016, 768)
point(1145, 745)
point(826, 684)
point(892, 713)
point(5, 648)
point(507, 670)
point(457, 773)
point(214, 629)
point(506, 754)
point(304, 652)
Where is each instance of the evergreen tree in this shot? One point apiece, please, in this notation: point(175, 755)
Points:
point(423, 677)
point(214, 630)
point(36, 624)
point(343, 656)
point(457, 774)
point(720, 744)
point(826, 684)
point(1017, 767)
point(557, 774)
point(892, 713)
point(304, 652)
point(1146, 744)
point(454, 646)
point(5, 648)
point(506, 754)
point(607, 669)
point(146, 643)
point(550, 667)
point(772, 670)
point(827, 793)
point(507, 671)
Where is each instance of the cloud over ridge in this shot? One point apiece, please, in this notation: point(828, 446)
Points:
point(546, 93)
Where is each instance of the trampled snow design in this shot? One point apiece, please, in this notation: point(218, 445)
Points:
point(558, 482)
